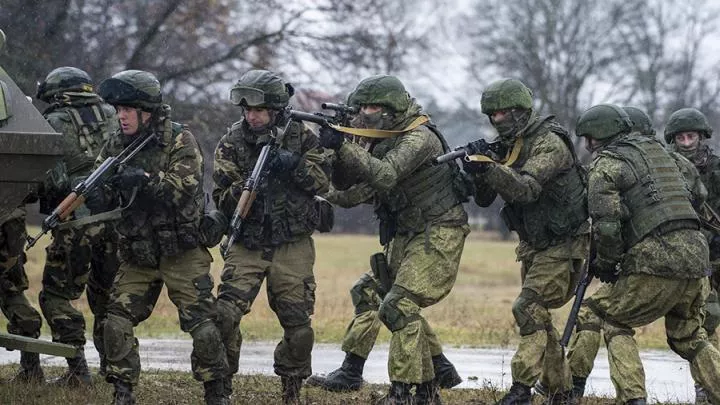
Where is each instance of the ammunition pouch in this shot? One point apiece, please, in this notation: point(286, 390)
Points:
point(213, 227)
point(326, 214)
point(144, 253)
point(513, 221)
point(381, 272)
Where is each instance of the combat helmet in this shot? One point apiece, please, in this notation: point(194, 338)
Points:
point(261, 89)
point(640, 121)
point(603, 121)
point(62, 79)
point(132, 88)
point(506, 94)
point(687, 120)
point(384, 90)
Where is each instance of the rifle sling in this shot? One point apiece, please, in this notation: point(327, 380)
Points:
point(511, 157)
point(381, 133)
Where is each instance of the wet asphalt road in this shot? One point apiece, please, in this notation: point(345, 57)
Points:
point(667, 375)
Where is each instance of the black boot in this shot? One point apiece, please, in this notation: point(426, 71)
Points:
point(701, 396)
point(445, 374)
point(291, 390)
point(215, 392)
point(519, 394)
point(123, 393)
point(578, 389)
point(227, 387)
point(428, 393)
point(399, 394)
point(636, 401)
point(77, 374)
point(347, 378)
point(562, 398)
point(30, 370)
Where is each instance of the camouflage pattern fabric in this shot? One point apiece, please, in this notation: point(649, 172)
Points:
point(23, 319)
point(134, 295)
point(291, 294)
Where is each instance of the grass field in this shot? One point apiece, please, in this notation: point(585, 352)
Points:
point(476, 313)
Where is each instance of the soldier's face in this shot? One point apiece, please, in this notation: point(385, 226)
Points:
point(687, 140)
point(130, 117)
point(257, 117)
point(499, 116)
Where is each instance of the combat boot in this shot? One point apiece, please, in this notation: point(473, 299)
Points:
point(215, 392)
point(347, 378)
point(291, 390)
point(562, 398)
point(399, 394)
point(30, 370)
point(519, 394)
point(701, 396)
point(227, 387)
point(428, 393)
point(77, 374)
point(636, 401)
point(123, 393)
point(445, 374)
point(578, 388)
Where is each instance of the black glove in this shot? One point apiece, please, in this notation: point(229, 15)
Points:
point(331, 139)
point(284, 162)
point(479, 147)
point(476, 167)
point(129, 178)
point(605, 270)
point(97, 200)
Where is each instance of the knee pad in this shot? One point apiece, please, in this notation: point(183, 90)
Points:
point(364, 296)
point(523, 312)
point(118, 337)
point(228, 317)
point(300, 341)
point(390, 313)
point(291, 314)
point(207, 342)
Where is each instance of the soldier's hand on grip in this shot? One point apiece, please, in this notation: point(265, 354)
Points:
point(284, 162)
point(476, 167)
point(605, 270)
point(130, 177)
point(330, 138)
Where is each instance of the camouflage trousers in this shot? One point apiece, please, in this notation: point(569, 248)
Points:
point(291, 295)
point(549, 278)
point(638, 299)
point(133, 297)
point(78, 258)
point(424, 268)
point(23, 319)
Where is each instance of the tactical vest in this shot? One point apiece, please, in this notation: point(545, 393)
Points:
point(150, 227)
point(420, 199)
point(561, 207)
point(710, 176)
point(282, 212)
point(659, 200)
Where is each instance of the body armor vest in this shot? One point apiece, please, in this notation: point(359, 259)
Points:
point(561, 207)
point(282, 212)
point(423, 197)
point(659, 201)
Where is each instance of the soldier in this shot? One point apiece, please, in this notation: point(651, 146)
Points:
point(82, 254)
point(649, 246)
point(422, 227)
point(158, 237)
point(23, 319)
point(275, 241)
point(686, 133)
point(585, 343)
point(540, 179)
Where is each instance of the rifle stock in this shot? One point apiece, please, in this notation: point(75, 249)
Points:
point(580, 290)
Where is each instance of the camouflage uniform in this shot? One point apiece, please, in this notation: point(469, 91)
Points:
point(77, 256)
point(422, 225)
point(545, 202)
point(159, 241)
point(650, 247)
point(585, 343)
point(23, 319)
point(275, 240)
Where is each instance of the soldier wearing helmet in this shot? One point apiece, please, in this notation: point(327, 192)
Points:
point(159, 236)
point(422, 227)
point(649, 245)
point(536, 172)
point(78, 256)
point(275, 241)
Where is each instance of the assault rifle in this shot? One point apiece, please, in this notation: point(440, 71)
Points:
point(479, 147)
point(588, 275)
point(79, 193)
point(343, 113)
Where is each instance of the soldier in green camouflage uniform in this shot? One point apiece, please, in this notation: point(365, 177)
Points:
point(649, 246)
point(83, 255)
point(545, 203)
point(686, 133)
point(275, 240)
point(585, 343)
point(158, 237)
point(23, 319)
point(422, 226)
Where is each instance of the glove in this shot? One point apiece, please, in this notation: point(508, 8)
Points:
point(478, 147)
point(331, 139)
point(97, 201)
point(284, 162)
point(605, 270)
point(476, 167)
point(129, 178)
